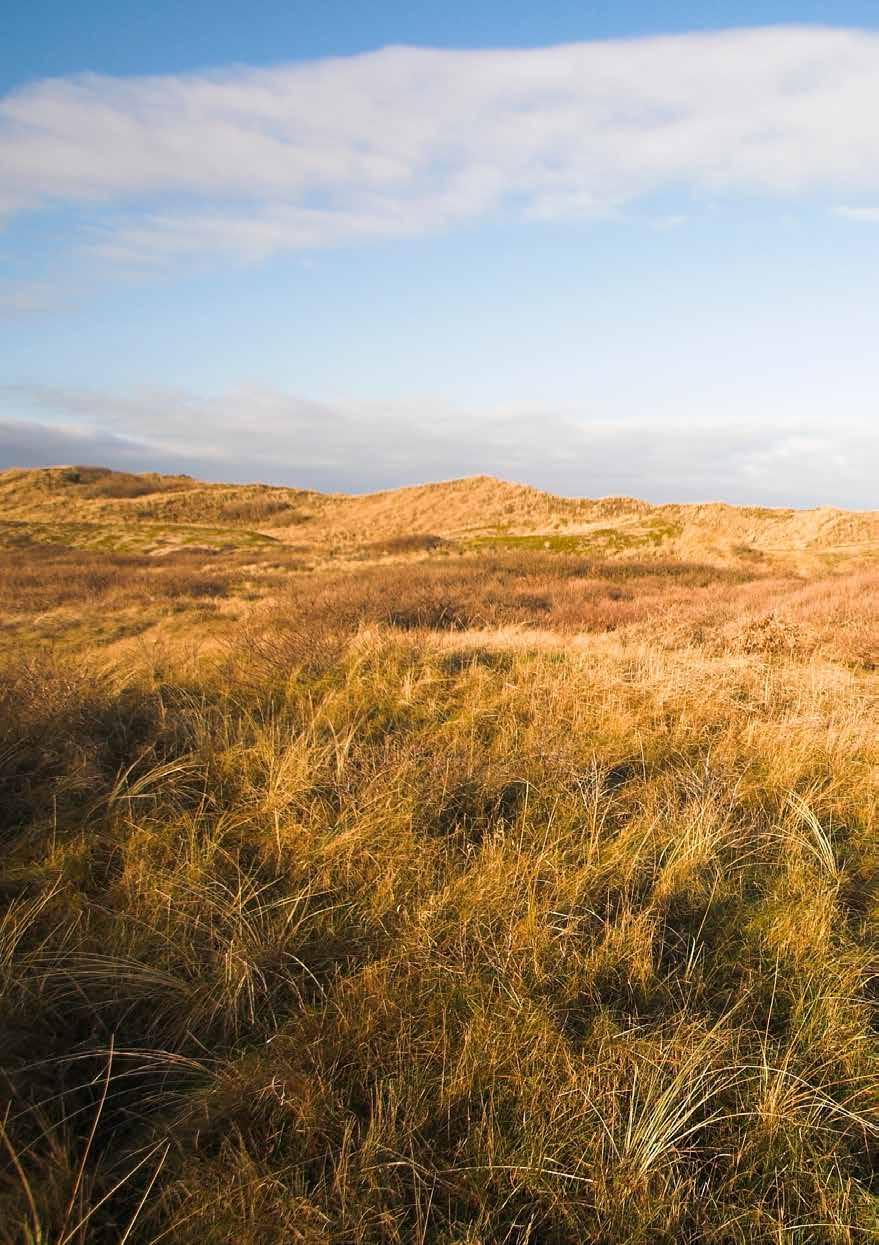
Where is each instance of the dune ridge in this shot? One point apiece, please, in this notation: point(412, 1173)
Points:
point(481, 508)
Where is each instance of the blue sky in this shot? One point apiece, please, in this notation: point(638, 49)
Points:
point(608, 248)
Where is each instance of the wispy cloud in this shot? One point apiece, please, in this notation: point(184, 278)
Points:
point(674, 221)
point(868, 215)
point(406, 140)
point(274, 436)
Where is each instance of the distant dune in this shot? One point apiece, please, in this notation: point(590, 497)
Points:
point(477, 511)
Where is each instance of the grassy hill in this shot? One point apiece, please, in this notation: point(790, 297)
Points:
point(457, 865)
point(150, 511)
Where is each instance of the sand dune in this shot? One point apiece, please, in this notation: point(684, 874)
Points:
point(475, 509)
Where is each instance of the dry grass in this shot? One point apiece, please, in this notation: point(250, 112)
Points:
point(517, 898)
point(47, 577)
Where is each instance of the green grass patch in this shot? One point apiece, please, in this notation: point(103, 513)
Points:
point(601, 540)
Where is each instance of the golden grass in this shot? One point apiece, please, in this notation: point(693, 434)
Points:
point(514, 897)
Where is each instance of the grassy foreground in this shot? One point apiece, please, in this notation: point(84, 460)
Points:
point(504, 898)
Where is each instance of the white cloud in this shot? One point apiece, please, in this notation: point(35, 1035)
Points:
point(673, 221)
point(868, 215)
point(406, 140)
point(268, 435)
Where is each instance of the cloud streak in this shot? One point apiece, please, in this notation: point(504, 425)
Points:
point(407, 140)
point(866, 215)
point(276, 437)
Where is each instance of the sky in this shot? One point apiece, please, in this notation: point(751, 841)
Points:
point(598, 248)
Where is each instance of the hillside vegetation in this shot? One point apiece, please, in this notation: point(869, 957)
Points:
point(421, 870)
point(480, 508)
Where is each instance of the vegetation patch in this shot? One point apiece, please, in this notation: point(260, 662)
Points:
point(101, 482)
point(270, 925)
point(263, 509)
point(127, 537)
point(595, 542)
point(526, 896)
point(416, 542)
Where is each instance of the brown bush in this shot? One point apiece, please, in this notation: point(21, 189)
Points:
point(417, 542)
point(102, 482)
point(772, 635)
point(261, 510)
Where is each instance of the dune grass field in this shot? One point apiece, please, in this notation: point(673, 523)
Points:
point(451, 866)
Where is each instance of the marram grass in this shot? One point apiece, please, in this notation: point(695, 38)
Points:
point(391, 919)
